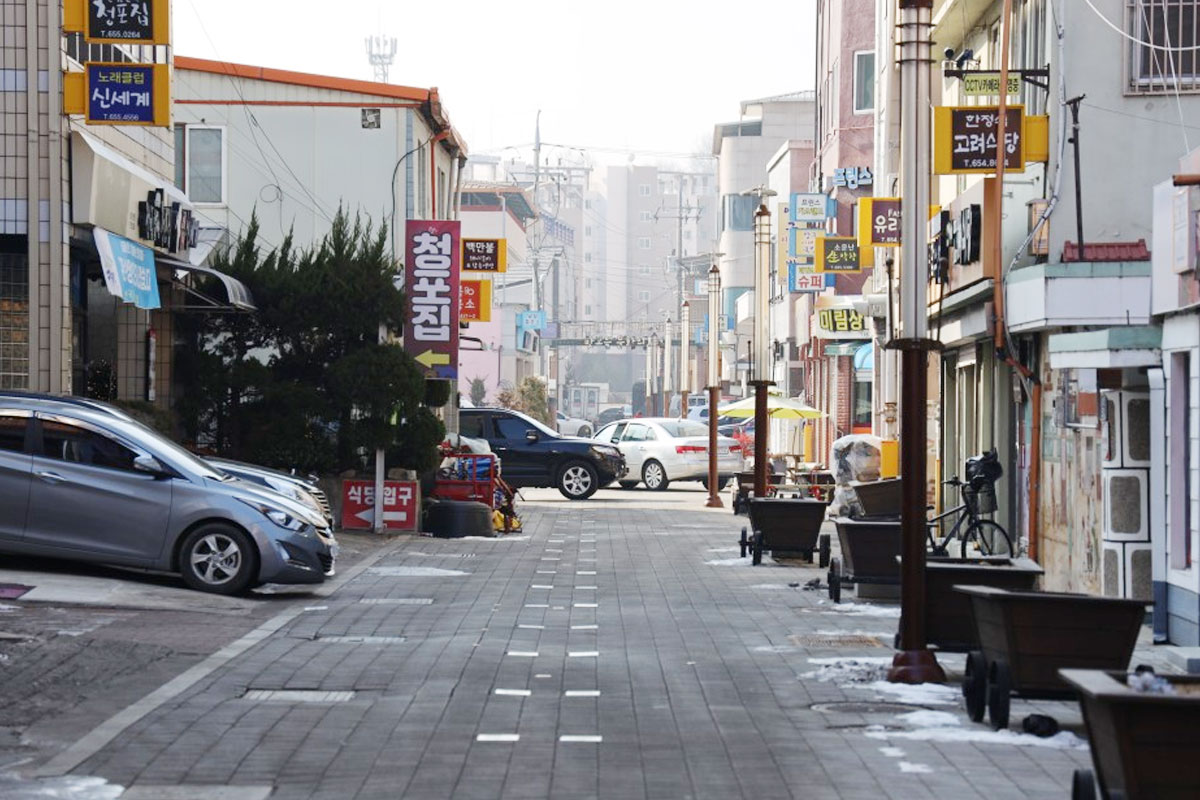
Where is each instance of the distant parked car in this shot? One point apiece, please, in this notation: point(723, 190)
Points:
point(303, 490)
point(532, 454)
point(661, 450)
point(572, 426)
point(83, 481)
point(613, 414)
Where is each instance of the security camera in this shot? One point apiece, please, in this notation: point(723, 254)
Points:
point(949, 52)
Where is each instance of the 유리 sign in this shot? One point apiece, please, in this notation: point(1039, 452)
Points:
point(400, 510)
point(485, 255)
point(431, 281)
point(965, 139)
point(837, 254)
point(879, 222)
point(475, 301)
point(126, 94)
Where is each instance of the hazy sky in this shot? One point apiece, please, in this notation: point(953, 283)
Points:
point(645, 77)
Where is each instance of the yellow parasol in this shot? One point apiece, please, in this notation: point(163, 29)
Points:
point(778, 407)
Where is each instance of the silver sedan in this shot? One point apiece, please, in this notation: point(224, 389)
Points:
point(665, 449)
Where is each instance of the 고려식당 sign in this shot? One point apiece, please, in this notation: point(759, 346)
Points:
point(964, 139)
point(431, 267)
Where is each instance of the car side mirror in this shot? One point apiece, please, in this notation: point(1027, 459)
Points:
point(151, 465)
point(531, 436)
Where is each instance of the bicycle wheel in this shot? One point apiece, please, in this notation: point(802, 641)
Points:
point(986, 538)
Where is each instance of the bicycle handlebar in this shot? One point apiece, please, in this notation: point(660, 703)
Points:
point(952, 482)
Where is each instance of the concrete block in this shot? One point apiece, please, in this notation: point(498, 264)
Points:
point(1185, 658)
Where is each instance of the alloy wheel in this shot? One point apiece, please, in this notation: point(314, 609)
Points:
point(216, 559)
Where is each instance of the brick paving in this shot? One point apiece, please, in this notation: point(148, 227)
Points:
point(595, 655)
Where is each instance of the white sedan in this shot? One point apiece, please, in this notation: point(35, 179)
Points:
point(572, 426)
point(661, 450)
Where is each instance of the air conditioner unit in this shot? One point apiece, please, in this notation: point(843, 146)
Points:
point(529, 340)
point(1125, 429)
point(1126, 496)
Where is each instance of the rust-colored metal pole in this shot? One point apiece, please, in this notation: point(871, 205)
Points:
point(714, 397)
point(760, 438)
point(1035, 468)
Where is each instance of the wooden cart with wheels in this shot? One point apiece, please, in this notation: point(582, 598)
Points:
point(1025, 638)
point(949, 621)
point(745, 489)
point(1143, 744)
point(787, 527)
point(869, 551)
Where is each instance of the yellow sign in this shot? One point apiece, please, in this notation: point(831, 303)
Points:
point(119, 21)
point(837, 254)
point(981, 84)
point(835, 318)
point(475, 301)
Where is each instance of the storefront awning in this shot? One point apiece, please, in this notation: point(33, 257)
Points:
point(238, 297)
point(864, 357)
point(1108, 348)
point(842, 348)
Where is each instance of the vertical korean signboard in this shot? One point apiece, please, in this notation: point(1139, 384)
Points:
point(431, 282)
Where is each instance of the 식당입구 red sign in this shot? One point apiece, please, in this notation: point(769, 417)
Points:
point(431, 281)
point(399, 504)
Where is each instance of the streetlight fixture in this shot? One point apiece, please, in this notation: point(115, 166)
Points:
point(761, 375)
point(714, 381)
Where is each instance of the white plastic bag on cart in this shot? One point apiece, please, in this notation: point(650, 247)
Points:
point(856, 458)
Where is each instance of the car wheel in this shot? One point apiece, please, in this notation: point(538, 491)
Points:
point(585, 432)
point(655, 476)
point(578, 480)
point(628, 484)
point(218, 558)
point(722, 482)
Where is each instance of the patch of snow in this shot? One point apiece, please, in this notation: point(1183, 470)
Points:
point(730, 562)
point(75, 787)
point(892, 752)
point(775, 648)
point(769, 586)
point(852, 660)
point(930, 719)
point(723, 550)
point(920, 769)
point(413, 572)
point(7, 609)
point(876, 634)
point(917, 694)
point(1063, 740)
point(864, 610)
point(854, 670)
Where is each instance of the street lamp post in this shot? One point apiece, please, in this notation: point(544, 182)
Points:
point(714, 381)
point(761, 375)
point(648, 400)
point(685, 358)
point(666, 374)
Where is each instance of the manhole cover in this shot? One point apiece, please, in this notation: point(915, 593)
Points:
point(865, 708)
point(838, 640)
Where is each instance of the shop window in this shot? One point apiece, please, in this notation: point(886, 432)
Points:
point(643, 243)
point(203, 159)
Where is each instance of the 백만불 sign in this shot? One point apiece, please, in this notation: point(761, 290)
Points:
point(431, 279)
point(837, 254)
point(965, 139)
point(399, 505)
point(485, 255)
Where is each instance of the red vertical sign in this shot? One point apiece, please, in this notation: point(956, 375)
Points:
point(432, 252)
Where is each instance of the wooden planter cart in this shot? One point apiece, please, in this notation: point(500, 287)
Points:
point(870, 549)
point(1144, 744)
point(1025, 638)
point(786, 526)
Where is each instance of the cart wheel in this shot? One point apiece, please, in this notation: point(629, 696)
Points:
point(756, 557)
point(823, 549)
point(998, 694)
point(808, 556)
point(743, 543)
point(974, 685)
point(835, 580)
point(1083, 785)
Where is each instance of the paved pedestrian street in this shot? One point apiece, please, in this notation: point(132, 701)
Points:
point(617, 648)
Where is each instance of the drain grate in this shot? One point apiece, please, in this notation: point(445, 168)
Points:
point(836, 640)
point(360, 639)
point(397, 601)
point(297, 696)
point(851, 707)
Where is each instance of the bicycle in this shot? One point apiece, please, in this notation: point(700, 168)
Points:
point(987, 536)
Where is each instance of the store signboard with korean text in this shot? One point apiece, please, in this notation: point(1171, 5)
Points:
point(119, 21)
point(804, 280)
point(983, 84)
point(852, 177)
point(119, 94)
point(964, 139)
point(128, 269)
point(485, 255)
point(432, 249)
point(837, 254)
point(475, 301)
point(879, 222)
point(834, 317)
point(809, 208)
point(400, 505)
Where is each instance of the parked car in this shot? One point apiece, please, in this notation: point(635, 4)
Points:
point(662, 449)
point(572, 426)
point(83, 481)
point(741, 429)
point(533, 455)
point(613, 414)
point(302, 490)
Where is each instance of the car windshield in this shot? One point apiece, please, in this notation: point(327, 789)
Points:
point(173, 450)
point(683, 428)
point(542, 428)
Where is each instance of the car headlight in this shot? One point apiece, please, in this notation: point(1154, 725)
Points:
point(605, 451)
point(296, 493)
point(280, 517)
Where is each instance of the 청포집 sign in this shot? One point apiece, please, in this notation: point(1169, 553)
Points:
point(431, 267)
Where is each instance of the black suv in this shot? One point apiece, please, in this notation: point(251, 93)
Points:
point(533, 455)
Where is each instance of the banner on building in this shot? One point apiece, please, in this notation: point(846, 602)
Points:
point(119, 94)
point(837, 254)
point(475, 301)
point(431, 281)
point(964, 139)
point(119, 21)
point(128, 269)
point(485, 255)
point(834, 317)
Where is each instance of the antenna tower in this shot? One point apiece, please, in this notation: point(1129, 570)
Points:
point(381, 51)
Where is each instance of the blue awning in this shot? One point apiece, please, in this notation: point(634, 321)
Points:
point(864, 357)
